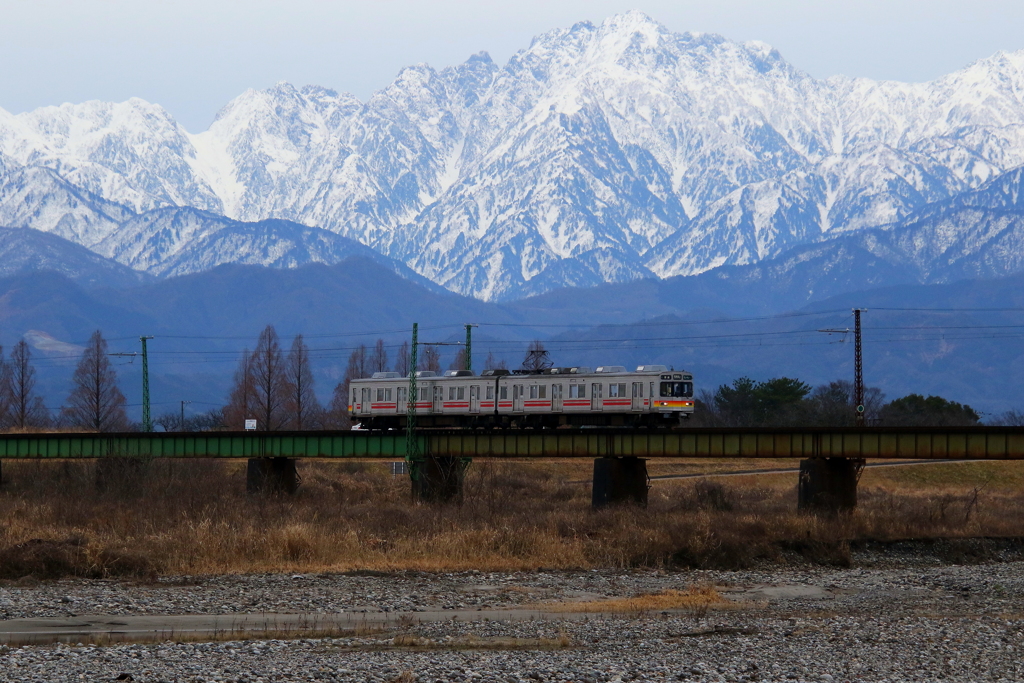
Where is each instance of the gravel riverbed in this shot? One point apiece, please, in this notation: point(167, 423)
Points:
point(894, 621)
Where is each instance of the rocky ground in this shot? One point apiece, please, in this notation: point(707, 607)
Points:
point(879, 621)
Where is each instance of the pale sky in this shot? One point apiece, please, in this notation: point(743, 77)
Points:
point(193, 56)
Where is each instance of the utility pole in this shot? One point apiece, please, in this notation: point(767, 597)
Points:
point(469, 346)
point(858, 367)
point(183, 415)
point(147, 422)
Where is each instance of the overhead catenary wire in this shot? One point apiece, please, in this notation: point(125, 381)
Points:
point(761, 338)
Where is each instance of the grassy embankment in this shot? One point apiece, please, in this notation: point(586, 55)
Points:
point(195, 517)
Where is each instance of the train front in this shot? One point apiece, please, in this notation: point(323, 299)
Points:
point(674, 394)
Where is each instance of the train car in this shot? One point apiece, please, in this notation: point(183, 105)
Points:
point(651, 395)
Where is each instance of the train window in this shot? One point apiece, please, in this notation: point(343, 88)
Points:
point(380, 395)
point(400, 393)
point(534, 391)
point(461, 393)
point(638, 389)
point(387, 395)
point(622, 389)
point(503, 392)
point(543, 390)
point(577, 391)
point(677, 389)
point(354, 400)
point(596, 390)
point(490, 393)
point(451, 393)
point(556, 391)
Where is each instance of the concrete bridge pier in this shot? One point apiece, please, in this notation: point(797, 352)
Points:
point(829, 484)
point(619, 480)
point(438, 479)
point(271, 475)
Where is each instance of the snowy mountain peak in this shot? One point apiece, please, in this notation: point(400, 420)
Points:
point(601, 152)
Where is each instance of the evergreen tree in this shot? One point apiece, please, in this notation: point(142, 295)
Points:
point(748, 403)
point(915, 410)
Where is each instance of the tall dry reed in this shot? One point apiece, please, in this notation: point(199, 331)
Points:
point(194, 517)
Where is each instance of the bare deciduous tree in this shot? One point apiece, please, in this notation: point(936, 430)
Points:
point(270, 382)
point(358, 364)
point(203, 422)
point(302, 407)
point(358, 368)
point(96, 402)
point(379, 359)
point(431, 360)
point(6, 395)
point(242, 401)
point(459, 363)
point(403, 362)
point(26, 408)
point(336, 415)
point(493, 363)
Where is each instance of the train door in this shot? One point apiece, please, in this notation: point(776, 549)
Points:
point(365, 400)
point(556, 397)
point(438, 406)
point(518, 399)
point(596, 397)
point(474, 398)
point(638, 397)
point(401, 404)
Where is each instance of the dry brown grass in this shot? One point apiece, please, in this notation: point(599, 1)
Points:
point(408, 641)
point(696, 599)
point(194, 517)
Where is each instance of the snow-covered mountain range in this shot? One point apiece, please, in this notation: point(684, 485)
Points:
point(600, 153)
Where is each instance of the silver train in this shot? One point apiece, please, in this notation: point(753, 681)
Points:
point(652, 396)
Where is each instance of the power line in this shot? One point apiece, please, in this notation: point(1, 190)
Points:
point(953, 310)
point(712, 321)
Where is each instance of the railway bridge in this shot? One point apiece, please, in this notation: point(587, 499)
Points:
point(831, 458)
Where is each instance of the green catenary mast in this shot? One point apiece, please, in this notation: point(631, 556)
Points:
point(469, 346)
point(147, 422)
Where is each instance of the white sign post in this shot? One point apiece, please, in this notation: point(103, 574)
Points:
point(250, 425)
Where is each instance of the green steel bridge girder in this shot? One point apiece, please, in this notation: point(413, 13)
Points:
point(1001, 443)
point(389, 446)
